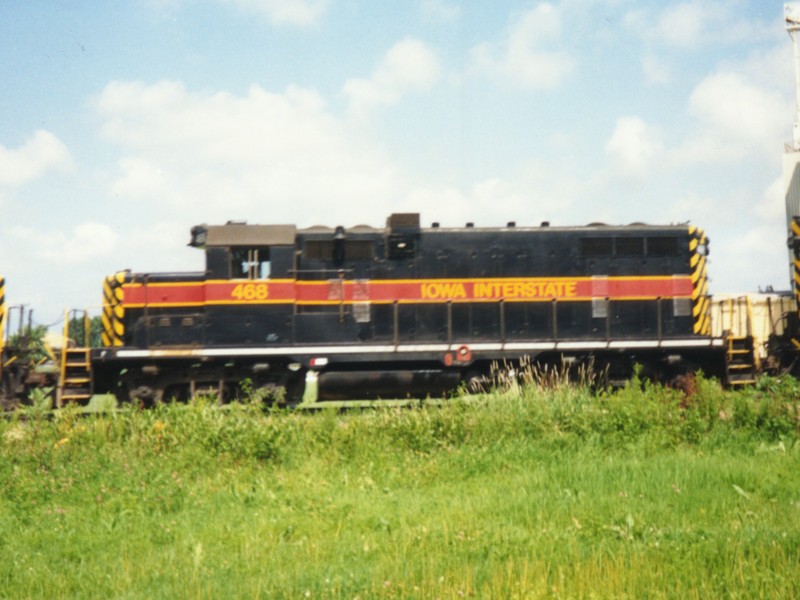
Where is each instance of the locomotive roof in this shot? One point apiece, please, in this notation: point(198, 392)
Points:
point(234, 234)
point(576, 228)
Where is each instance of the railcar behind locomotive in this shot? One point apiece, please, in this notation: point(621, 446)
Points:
point(404, 310)
point(22, 367)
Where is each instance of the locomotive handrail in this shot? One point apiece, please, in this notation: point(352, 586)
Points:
point(449, 321)
point(336, 272)
point(659, 317)
point(502, 307)
point(395, 323)
point(144, 277)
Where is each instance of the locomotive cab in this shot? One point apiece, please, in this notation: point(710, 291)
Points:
point(242, 251)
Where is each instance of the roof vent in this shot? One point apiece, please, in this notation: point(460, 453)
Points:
point(511, 224)
point(435, 225)
point(470, 224)
point(403, 220)
point(545, 224)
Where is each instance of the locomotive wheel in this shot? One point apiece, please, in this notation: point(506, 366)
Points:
point(146, 396)
point(284, 389)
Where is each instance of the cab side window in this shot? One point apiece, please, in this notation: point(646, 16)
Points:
point(250, 263)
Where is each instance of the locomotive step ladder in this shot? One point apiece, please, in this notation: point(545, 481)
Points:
point(76, 381)
point(741, 366)
point(76, 376)
point(734, 319)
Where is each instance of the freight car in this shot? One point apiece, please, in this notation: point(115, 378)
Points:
point(24, 363)
point(403, 311)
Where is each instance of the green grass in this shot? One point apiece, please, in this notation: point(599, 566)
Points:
point(530, 493)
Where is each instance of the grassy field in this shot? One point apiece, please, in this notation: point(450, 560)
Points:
point(556, 492)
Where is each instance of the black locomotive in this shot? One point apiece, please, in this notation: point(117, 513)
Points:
point(405, 311)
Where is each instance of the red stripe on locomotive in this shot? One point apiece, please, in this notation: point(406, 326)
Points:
point(420, 291)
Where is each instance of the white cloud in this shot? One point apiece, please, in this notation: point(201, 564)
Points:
point(736, 117)
point(490, 202)
point(86, 241)
point(683, 25)
point(696, 24)
point(634, 144)
point(734, 105)
point(40, 153)
point(526, 57)
point(409, 66)
point(292, 12)
point(260, 156)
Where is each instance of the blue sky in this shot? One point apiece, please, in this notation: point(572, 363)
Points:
point(122, 124)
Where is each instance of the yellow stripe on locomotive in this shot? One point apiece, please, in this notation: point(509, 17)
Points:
point(698, 250)
point(113, 314)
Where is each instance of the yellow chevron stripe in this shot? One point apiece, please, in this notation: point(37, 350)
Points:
point(699, 274)
point(701, 327)
point(699, 277)
point(106, 317)
point(706, 318)
point(702, 308)
point(704, 268)
point(795, 227)
point(113, 312)
point(703, 275)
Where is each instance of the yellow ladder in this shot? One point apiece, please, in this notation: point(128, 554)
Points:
point(76, 383)
point(741, 361)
